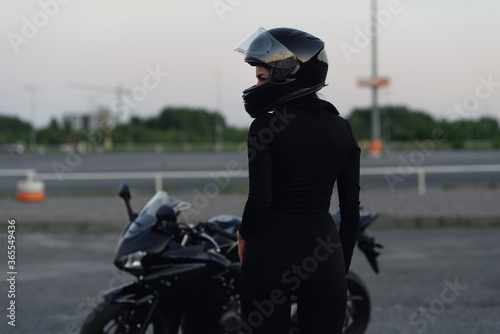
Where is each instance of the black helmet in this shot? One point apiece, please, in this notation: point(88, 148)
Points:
point(298, 66)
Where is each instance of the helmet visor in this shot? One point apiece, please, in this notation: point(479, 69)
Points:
point(261, 45)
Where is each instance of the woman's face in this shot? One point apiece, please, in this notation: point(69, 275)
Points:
point(262, 73)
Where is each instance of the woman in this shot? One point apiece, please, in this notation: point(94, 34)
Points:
point(288, 242)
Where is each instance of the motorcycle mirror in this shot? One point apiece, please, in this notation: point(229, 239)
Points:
point(123, 191)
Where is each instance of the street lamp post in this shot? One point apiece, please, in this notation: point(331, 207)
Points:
point(32, 136)
point(374, 82)
point(218, 107)
point(376, 143)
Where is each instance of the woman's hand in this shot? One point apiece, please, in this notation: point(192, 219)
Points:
point(241, 246)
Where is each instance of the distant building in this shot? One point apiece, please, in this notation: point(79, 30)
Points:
point(89, 121)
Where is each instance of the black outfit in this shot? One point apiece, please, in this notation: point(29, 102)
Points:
point(295, 155)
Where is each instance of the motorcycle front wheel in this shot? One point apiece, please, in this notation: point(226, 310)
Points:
point(119, 318)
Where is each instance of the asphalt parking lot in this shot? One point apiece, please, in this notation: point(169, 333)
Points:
point(432, 280)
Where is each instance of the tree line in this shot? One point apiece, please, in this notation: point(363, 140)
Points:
point(175, 125)
point(171, 125)
point(399, 123)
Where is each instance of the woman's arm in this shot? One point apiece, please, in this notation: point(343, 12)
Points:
point(348, 190)
point(260, 179)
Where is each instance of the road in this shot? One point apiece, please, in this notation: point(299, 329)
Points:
point(65, 164)
point(437, 280)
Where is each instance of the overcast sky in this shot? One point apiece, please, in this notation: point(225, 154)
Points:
point(437, 54)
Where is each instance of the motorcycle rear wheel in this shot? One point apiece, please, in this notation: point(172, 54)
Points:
point(118, 318)
point(358, 306)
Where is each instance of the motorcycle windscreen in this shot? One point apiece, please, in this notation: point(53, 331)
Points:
point(147, 217)
point(137, 236)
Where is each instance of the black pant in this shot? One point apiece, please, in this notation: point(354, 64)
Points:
point(296, 255)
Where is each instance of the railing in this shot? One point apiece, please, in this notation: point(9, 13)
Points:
point(16, 172)
point(421, 173)
point(157, 176)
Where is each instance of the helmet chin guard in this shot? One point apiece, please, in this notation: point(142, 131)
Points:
point(298, 66)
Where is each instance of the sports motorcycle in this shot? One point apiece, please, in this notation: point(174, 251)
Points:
point(174, 263)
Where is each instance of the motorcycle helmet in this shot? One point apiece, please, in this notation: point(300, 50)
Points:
point(297, 64)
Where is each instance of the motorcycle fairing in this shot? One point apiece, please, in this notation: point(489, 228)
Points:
point(148, 242)
point(196, 254)
point(141, 292)
point(133, 292)
point(177, 272)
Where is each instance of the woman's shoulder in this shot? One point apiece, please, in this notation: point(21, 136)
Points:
point(263, 119)
point(313, 106)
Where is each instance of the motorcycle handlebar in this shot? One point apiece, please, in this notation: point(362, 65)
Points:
point(215, 229)
point(227, 235)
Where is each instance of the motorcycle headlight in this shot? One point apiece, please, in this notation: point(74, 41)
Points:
point(133, 260)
